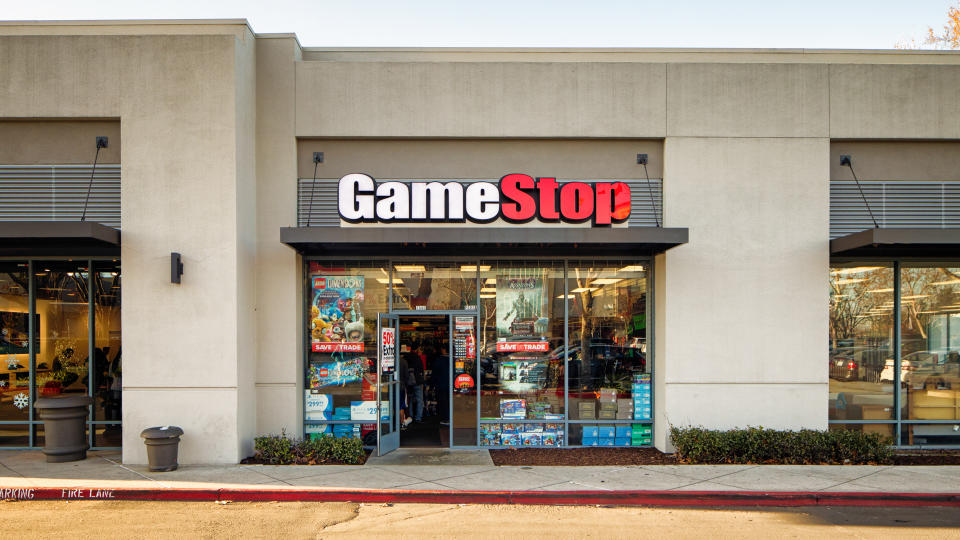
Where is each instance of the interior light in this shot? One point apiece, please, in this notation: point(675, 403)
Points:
point(384, 280)
point(585, 289)
point(410, 268)
point(568, 296)
point(488, 290)
point(473, 268)
point(606, 281)
point(948, 282)
point(880, 291)
point(848, 281)
point(70, 274)
point(855, 270)
point(916, 296)
point(491, 281)
point(488, 296)
point(632, 268)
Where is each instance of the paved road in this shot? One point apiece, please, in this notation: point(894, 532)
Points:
point(113, 519)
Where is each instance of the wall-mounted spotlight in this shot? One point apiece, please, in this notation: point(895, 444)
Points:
point(102, 141)
point(641, 159)
point(318, 157)
point(845, 160)
point(176, 267)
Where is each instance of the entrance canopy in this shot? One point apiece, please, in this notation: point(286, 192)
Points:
point(898, 243)
point(39, 238)
point(488, 241)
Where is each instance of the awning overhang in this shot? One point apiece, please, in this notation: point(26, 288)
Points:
point(482, 241)
point(58, 238)
point(898, 243)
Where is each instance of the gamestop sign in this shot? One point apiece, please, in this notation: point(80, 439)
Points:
point(517, 198)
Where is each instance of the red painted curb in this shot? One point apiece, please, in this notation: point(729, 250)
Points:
point(613, 498)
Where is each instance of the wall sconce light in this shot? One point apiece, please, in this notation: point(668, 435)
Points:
point(176, 267)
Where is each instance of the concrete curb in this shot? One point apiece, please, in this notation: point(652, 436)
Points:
point(612, 498)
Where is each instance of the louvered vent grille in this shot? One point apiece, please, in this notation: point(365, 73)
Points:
point(57, 193)
point(324, 209)
point(895, 205)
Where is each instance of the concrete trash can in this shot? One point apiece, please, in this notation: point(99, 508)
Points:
point(64, 427)
point(163, 443)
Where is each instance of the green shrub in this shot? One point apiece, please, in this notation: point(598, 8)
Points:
point(281, 450)
point(759, 445)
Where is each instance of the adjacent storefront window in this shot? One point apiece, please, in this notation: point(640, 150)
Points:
point(870, 378)
point(555, 351)
point(59, 335)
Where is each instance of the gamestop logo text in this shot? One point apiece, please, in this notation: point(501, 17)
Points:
point(518, 198)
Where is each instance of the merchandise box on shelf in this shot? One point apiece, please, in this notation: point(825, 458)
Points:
point(620, 441)
point(590, 441)
point(606, 432)
point(591, 431)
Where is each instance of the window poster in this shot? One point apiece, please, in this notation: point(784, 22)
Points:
point(339, 371)
point(521, 312)
point(336, 319)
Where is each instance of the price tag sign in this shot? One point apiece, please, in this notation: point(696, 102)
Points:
point(388, 348)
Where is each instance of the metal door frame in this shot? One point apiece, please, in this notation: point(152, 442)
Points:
point(388, 442)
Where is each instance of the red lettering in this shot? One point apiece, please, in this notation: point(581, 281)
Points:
point(516, 204)
point(621, 202)
point(548, 199)
point(576, 202)
point(604, 204)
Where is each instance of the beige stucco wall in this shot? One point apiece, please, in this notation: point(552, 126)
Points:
point(40, 142)
point(218, 125)
point(183, 107)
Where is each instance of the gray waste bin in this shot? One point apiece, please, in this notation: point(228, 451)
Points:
point(163, 443)
point(64, 427)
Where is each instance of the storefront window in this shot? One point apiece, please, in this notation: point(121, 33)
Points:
point(14, 348)
point(521, 332)
point(434, 286)
point(861, 363)
point(345, 298)
point(609, 377)
point(108, 369)
point(930, 345)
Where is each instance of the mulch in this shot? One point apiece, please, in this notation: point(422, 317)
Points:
point(651, 456)
point(581, 456)
point(927, 457)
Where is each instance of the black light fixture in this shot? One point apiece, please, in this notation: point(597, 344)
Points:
point(845, 161)
point(317, 160)
point(101, 143)
point(642, 159)
point(176, 267)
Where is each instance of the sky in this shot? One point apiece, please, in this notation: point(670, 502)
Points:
point(843, 24)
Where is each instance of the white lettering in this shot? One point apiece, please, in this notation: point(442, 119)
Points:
point(483, 202)
point(393, 201)
point(445, 201)
point(355, 197)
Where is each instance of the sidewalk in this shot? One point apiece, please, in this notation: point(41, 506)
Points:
point(751, 484)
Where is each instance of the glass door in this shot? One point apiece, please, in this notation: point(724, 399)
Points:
point(464, 408)
point(388, 386)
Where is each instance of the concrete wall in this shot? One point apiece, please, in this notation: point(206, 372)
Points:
point(217, 126)
point(184, 104)
point(32, 142)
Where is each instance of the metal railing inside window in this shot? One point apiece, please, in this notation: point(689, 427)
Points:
point(58, 193)
point(895, 204)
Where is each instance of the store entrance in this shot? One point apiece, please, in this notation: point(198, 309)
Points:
point(435, 412)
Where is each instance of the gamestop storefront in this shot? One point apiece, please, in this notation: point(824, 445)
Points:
point(527, 299)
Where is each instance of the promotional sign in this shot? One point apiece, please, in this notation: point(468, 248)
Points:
point(388, 348)
point(517, 198)
point(339, 372)
point(464, 380)
point(336, 318)
point(523, 346)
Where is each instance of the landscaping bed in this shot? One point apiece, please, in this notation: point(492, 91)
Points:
point(326, 450)
point(593, 455)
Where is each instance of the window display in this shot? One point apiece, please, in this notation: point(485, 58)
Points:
point(555, 354)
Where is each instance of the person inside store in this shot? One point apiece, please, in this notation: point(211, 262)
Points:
point(415, 383)
point(403, 376)
point(441, 381)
